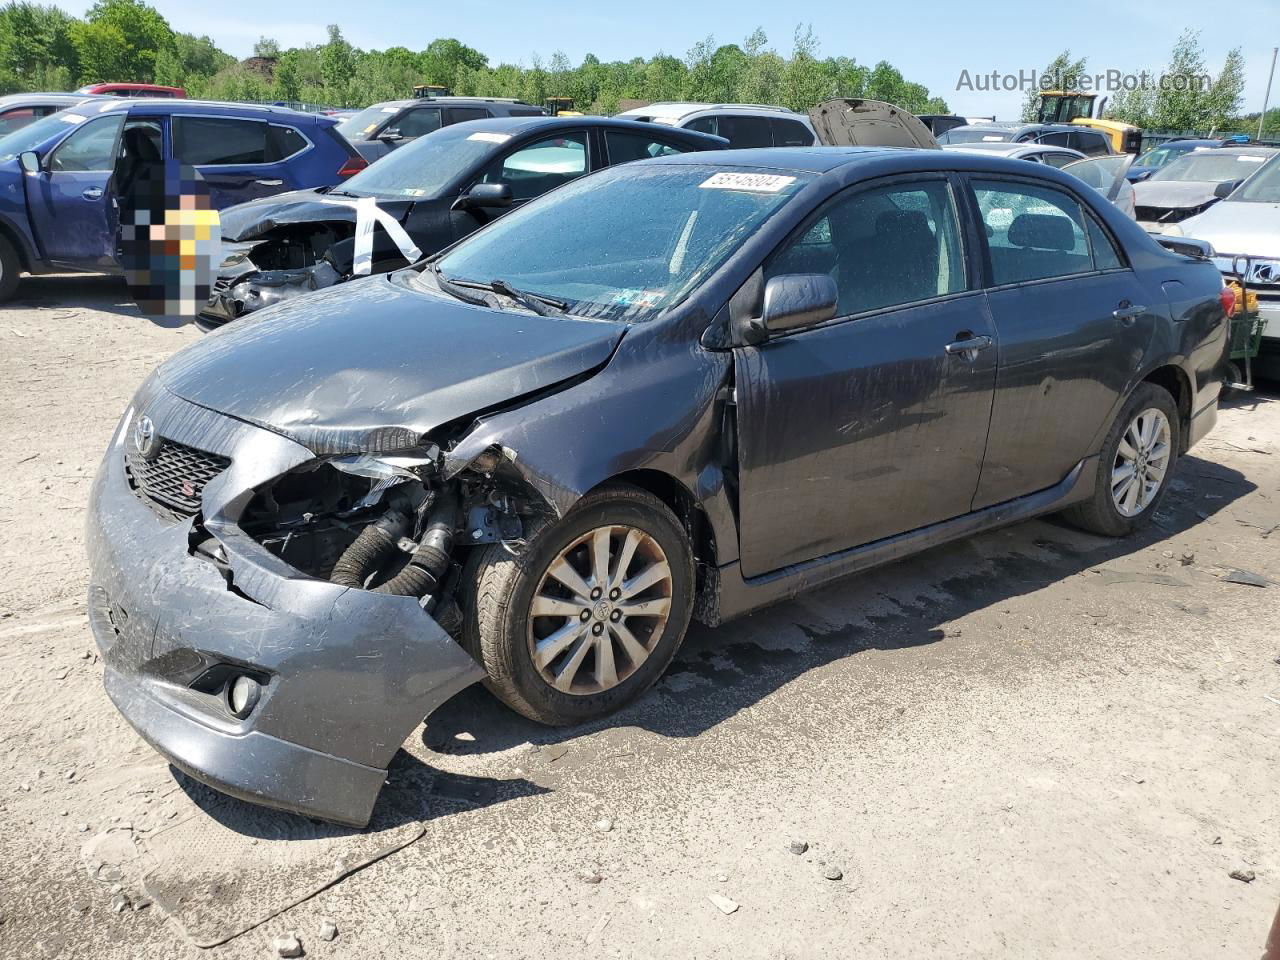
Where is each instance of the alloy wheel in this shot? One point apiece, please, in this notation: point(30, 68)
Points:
point(599, 610)
point(1142, 460)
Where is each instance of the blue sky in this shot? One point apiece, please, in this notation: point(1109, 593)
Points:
point(931, 42)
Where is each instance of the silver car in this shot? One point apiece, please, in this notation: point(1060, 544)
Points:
point(1244, 229)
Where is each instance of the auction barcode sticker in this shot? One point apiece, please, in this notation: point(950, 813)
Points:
point(491, 137)
point(757, 182)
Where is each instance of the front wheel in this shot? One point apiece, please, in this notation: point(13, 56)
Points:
point(589, 615)
point(1134, 467)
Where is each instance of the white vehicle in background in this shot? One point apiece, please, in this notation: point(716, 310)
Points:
point(742, 124)
point(1189, 185)
point(1244, 229)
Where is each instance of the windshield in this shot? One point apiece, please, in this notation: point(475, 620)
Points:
point(627, 243)
point(365, 122)
point(961, 135)
point(423, 167)
point(34, 134)
point(1213, 166)
point(1159, 156)
point(1264, 187)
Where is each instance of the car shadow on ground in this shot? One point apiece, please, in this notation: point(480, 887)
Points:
point(69, 293)
point(721, 671)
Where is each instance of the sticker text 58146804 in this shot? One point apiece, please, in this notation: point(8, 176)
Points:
point(755, 182)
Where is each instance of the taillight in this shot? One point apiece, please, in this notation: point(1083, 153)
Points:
point(353, 165)
point(1228, 298)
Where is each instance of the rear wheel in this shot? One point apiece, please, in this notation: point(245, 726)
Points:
point(9, 268)
point(1134, 468)
point(589, 615)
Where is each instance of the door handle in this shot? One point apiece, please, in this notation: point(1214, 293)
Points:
point(270, 183)
point(968, 348)
point(1127, 312)
point(92, 193)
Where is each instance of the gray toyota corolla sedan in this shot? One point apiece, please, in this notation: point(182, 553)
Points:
point(688, 386)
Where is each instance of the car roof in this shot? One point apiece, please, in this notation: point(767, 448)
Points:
point(449, 101)
point(202, 107)
point(877, 160)
point(518, 125)
point(70, 99)
point(674, 110)
point(1004, 148)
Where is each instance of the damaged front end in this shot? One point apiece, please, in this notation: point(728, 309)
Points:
point(260, 274)
point(274, 622)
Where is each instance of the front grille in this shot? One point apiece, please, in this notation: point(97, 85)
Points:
point(175, 478)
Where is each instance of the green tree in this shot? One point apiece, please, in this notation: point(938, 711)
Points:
point(1060, 71)
point(1183, 100)
point(1227, 92)
point(337, 65)
point(119, 40)
point(266, 48)
point(805, 81)
point(287, 79)
point(443, 58)
point(35, 39)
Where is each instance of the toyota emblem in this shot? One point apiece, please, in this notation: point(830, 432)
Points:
point(144, 438)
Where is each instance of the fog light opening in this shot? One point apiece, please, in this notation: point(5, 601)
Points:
point(242, 696)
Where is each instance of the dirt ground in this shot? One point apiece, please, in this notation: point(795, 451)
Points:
point(1035, 743)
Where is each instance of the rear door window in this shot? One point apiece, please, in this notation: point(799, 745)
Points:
point(624, 147)
point(1060, 160)
point(702, 125)
point(742, 132)
point(463, 114)
point(1057, 139)
point(790, 133)
point(1033, 232)
point(219, 141)
point(1088, 143)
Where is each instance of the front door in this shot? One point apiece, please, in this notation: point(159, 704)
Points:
point(69, 199)
point(873, 423)
point(1074, 323)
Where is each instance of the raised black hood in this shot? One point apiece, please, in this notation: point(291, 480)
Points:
point(257, 218)
point(372, 365)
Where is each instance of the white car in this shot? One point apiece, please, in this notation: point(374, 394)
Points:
point(742, 124)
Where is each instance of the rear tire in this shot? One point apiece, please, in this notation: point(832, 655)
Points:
point(1134, 467)
point(10, 267)
point(559, 653)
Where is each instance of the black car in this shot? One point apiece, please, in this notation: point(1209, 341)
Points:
point(684, 387)
point(423, 198)
point(377, 130)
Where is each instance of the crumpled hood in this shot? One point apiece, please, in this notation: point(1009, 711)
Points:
point(257, 218)
point(1238, 226)
point(372, 365)
point(1174, 194)
point(845, 122)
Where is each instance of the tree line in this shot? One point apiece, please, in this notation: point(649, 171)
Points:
point(44, 48)
point(1186, 105)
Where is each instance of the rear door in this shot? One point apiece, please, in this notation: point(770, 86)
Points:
point(873, 423)
point(1073, 321)
point(240, 158)
point(69, 199)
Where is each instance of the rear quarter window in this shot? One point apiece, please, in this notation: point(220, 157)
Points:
point(790, 133)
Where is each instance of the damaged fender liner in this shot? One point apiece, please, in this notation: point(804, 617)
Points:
point(349, 673)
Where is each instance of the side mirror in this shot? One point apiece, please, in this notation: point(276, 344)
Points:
point(391, 134)
point(485, 195)
point(798, 300)
point(1137, 176)
point(30, 161)
point(1226, 188)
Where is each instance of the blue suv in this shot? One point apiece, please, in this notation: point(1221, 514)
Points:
point(57, 208)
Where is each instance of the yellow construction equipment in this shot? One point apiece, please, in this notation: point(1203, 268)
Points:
point(562, 107)
point(423, 90)
point(1057, 106)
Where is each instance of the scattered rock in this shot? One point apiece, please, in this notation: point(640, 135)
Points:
point(1244, 876)
point(1246, 577)
point(287, 946)
point(590, 876)
point(328, 930)
point(603, 826)
point(798, 847)
point(120, 902)
point(597, 928)
point(1216, 841)
point(83, 828)
point(465, 737)
point(723, 904)
point(24, 787)
point(834, 873)
point(1187, 558)
point(141, 904)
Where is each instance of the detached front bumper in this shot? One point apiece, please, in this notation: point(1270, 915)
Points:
point(348, 673)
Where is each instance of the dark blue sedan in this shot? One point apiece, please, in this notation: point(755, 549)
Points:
point(57, 174)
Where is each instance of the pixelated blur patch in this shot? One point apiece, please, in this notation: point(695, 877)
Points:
point(170, 237)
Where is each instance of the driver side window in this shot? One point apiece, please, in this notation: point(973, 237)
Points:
point(92, 147)
point(540, 166)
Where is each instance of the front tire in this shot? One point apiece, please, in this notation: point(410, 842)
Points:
point(589, 615)
point(1135, 466)
point(9, 269)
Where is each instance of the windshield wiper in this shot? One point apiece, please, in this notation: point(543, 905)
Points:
point(455, 290)
point(543, 306)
